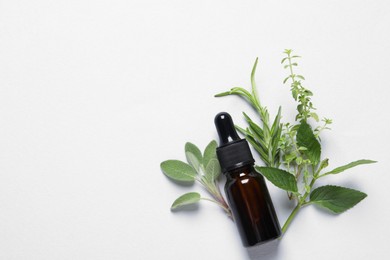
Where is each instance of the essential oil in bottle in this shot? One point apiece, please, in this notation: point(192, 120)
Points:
point(246, 191)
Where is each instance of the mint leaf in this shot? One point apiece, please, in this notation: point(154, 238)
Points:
point(280, 178)
point(348, 166)
point(193, 149)
point(186, 199)
point(178, 170)
point(306, 138)
point(210, 153)
point(336, 199)
point(213, 170)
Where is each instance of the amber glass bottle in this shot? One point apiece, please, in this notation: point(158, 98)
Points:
point(245, 189)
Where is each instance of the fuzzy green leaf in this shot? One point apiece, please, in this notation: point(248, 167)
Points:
point(193, 161)
point(306, 138)
point(178, 170)
point(186, 199)
point(349, 165)
point(213, 170)
point(210, 152)
point(336, 199)
point(190, 147)
point(280, 178)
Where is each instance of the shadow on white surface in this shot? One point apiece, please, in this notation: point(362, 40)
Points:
point(265, 251)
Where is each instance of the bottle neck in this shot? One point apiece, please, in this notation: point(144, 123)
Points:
point(240, 171)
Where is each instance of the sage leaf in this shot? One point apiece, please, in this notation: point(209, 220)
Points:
point(213, 170)
point(280, 178)
point(193, 161)
point(178, 170)
point(306, 138)
point(348, 166)
point(335, 198)
point(186, 199)
point(210, 152)
point(193, 149)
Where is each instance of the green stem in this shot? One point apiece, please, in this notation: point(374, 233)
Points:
point(302, 202)
point(214, 190)
point(291, 217)
point(291, 67)
point(226, 209)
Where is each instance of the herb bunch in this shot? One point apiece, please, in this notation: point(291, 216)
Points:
point(202, 168)
point(291, 152)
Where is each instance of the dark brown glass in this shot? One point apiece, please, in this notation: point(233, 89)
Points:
point(251, 205)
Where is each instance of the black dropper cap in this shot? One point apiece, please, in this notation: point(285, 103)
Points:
point(233, 152)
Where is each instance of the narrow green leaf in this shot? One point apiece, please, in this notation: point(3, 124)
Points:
point(285, 80)
point(280, 178)
point(178, 170)
point(242, 92)
point(253, 82)
point(257, 135)
point(336, 199)
point(210, 153)
point(276, 123)
point(223, 94)
point(256, 132)
point(236, 91)
point(300, 77)
point(213, 170)
point(186, 199)
point(276, 139)
point(259, 149)
point(348, 166)
point(283, 60)
point(306, 138)
point(254, 127)
point(242, 130)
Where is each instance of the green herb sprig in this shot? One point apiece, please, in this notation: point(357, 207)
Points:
point(264, 138)
point(202, 168)
point(292, 152)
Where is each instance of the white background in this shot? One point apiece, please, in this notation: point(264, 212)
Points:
point(95, 94)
